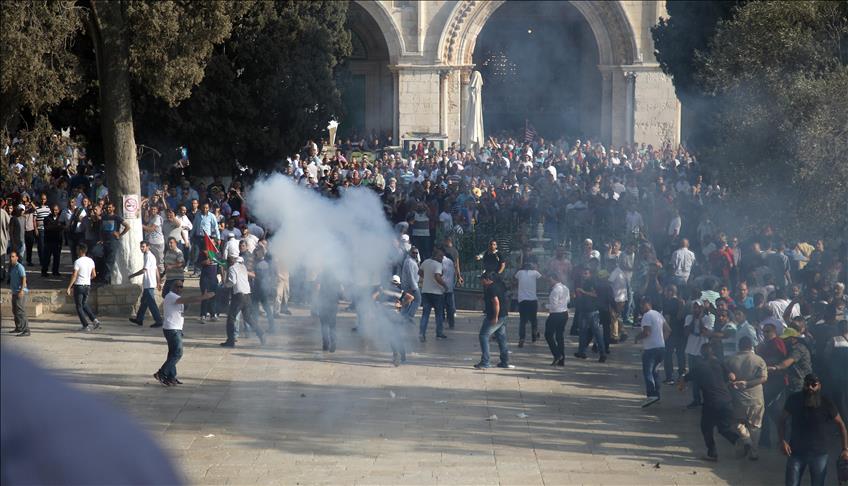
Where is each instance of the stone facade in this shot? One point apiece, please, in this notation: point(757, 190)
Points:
point(430, 46)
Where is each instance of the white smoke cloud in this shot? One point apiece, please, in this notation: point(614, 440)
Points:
point(349, 236)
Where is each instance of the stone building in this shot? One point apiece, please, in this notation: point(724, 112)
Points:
point(583, 67)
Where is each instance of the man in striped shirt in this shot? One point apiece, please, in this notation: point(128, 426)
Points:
point(41, 212)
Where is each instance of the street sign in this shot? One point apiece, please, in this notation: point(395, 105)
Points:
point(131, 206)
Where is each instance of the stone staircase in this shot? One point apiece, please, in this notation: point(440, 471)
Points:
point(39, 301)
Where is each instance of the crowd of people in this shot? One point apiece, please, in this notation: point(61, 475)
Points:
point(753, 322)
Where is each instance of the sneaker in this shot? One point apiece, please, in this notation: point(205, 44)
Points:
point(521, 343)
point(422, 338)
point(96, 324)
point(561, 362)
point(88, 329)
point(161, 379)
point(580, 355)
point(136, 321)
point(668, 381)
point(693, 405)
point(712, 457)
point(24, 334)
point(395, 360)
point(203, 319)
point(555, 362)
point(505, 365)
point(228, 344)
point(332, 348)
point(14, 331)
point(753, 455)
point(536, 336)
point(482, 366)
point(602, 359)
point(742, 447)
point(214, 318)
point(262, 340)
point(650, 401)
point(441, 336)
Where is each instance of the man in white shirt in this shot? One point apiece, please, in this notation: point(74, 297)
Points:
point(409, 282)
point(654, 331)
point(150, 282)
point(237, 279)
point(80, 281)
point(174, 304)
point(558, 299)
point(432, 294)
point(681, 264)
point(528, 303)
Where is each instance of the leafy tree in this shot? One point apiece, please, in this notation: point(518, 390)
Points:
point(268, 88)
point(776, 75)
point(678, 39)
point(156, 47)
point(39, 69)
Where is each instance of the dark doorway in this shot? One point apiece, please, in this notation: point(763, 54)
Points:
point(539, 63)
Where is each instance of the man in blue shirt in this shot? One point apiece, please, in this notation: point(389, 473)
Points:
point(205, 223)
point(18, 285)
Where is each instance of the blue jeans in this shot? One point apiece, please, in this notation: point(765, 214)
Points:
point(797, 463)
point(590, 326)
point(651, 359)
point(174, 337)
point(432, 302)
point(409, 310)
point(499, 330)
point(148, 301)
point(450, 309)
point(86, 315)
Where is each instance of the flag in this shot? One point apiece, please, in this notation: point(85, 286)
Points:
point(211, 251)
point(529, 132)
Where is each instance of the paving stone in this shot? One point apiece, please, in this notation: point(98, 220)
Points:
point(289, 414)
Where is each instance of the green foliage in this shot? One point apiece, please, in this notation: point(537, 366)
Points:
point(266, 89)
point(777, 77)
point(172, 41)
point(39, 70)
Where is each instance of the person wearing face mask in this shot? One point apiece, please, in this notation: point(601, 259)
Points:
point(813, 416)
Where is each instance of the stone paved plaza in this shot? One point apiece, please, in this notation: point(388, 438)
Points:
point(287, 414)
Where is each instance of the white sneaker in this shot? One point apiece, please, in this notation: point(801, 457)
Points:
point(203, 318)
point(650, 401)
point(214, 318)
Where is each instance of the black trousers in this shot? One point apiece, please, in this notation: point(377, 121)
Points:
point(718, 417)
point(554, 332)
point(241, 303)
point(527, 312)
point(52, 249)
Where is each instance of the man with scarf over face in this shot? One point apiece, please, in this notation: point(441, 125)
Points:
point(812, 415)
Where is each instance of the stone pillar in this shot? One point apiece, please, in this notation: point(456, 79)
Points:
point(418, 99)
point(656, 116)
point(443, 102)
point(618, 105)
point(464, 81)
point(454, 96)
point(630, 90)
point(606, 106)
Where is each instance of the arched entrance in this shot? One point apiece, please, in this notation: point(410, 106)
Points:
point(539, 62)
point(367, 85)
point(614, 43)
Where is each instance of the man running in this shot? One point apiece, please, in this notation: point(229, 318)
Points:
point(80, 282)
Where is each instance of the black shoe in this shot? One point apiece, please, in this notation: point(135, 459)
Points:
point(324, 347)
point(178, 382)
point(693, 405)
point(44, 274)
point(24, 334)
point(561, 361)
point(451, 326)
point(96, 325)
point(354, 329)
point(602, 359)
point(668, 381)
point(136, 321)
point(161, 379)
point(580, 355)
point(422, 338)
point(262, 340)
point(332, 348)
point(441, 336)
point(555, 362)
point(156, 324)
point(395, 360)
point(403, 358)
point(505, 365)
point(536, 336)
point(228, 344)
point(481, 366)
point(14, 331)
point(521, 343)
point(594, 348)
point(57, 274)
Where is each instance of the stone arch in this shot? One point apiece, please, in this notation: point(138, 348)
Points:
point(388, 28)
point(609, 23)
